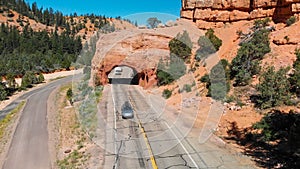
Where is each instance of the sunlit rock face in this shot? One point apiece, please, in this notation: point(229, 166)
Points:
point(214, 13)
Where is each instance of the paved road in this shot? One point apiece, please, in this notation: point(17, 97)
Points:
point(124, 144)
point(171, 148)
point(29, 147)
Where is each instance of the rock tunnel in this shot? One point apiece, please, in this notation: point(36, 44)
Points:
point(124, 74)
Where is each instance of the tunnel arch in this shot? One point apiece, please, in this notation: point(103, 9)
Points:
point(134, 80)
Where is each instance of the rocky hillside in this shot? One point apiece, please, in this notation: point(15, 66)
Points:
point(19, 14)
point(214, 13)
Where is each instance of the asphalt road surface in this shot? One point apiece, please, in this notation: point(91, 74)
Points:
point(29, 146)
point(158, 144)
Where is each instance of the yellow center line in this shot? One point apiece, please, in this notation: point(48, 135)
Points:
point(152, 159)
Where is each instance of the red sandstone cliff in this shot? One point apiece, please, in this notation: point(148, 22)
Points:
point(214, 13)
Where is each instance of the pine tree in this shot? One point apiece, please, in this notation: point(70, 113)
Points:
point(295, 76)
point(181, 46)
point(41, 78)
point(273, 87)
point(3, 93)
point(246, 63)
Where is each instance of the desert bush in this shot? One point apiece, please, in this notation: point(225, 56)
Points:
point(291, 21)
point(167, 93)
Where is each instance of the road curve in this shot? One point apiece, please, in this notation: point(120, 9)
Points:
point(29, 146)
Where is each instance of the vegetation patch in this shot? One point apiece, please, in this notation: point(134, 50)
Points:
point(87, 99)
point(9, 118)
point(167, 93)
point(273, 88)
point(181, 46)
point(218, 81)
point(209, 44)
point(72, 139)
point(252, 50)
point(291, 21)
point(273, 142)
point(174, 68)
point(170, 71)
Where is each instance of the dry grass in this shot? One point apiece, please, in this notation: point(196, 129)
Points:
point(71, 136)
point(9, 119)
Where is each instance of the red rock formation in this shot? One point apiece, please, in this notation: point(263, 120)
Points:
point(140, 51)
point(213, 13)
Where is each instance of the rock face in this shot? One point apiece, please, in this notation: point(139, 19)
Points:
point(214, 13)
point(140, 49)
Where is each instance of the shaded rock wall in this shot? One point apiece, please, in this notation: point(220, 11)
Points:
point(214, 13)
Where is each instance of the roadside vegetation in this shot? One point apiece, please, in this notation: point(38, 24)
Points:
point(181, 46)
point(252, 50)
point(209, 44)
point(174, 68)
point(167, 93)
point(10, 86)
point(84, 96)
point(27, 53)
point(88, 108)
point(73, 141)
point(7, 122)
point(274, 140)
point(218, 80)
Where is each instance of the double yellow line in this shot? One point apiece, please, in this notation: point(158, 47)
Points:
point(152, 159)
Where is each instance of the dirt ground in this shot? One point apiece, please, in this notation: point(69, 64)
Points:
point(70, 146)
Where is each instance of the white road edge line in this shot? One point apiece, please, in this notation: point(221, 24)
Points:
point(115, 127)
point(193, 161)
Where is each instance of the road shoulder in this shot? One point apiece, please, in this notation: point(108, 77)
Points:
point(9, 133)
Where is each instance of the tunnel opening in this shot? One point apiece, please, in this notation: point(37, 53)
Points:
point(123, 74)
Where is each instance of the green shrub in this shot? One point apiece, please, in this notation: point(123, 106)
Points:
point(205, 78)
point(218, 90)
point(187, 88)
point(164, 78)
point(261, 23)
point(167, 93)
point(273, 87)
point(206, 48)
point(216, 42)
point(41, 78)
point(247, 62)
point(3, 93)
point(70, 95)
point(181, 46)
point(170, 71)
point(209, 44)
point(291, 21)
point(219, 82)
point(295, 76)
point(230, 99)
point(28, 80)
